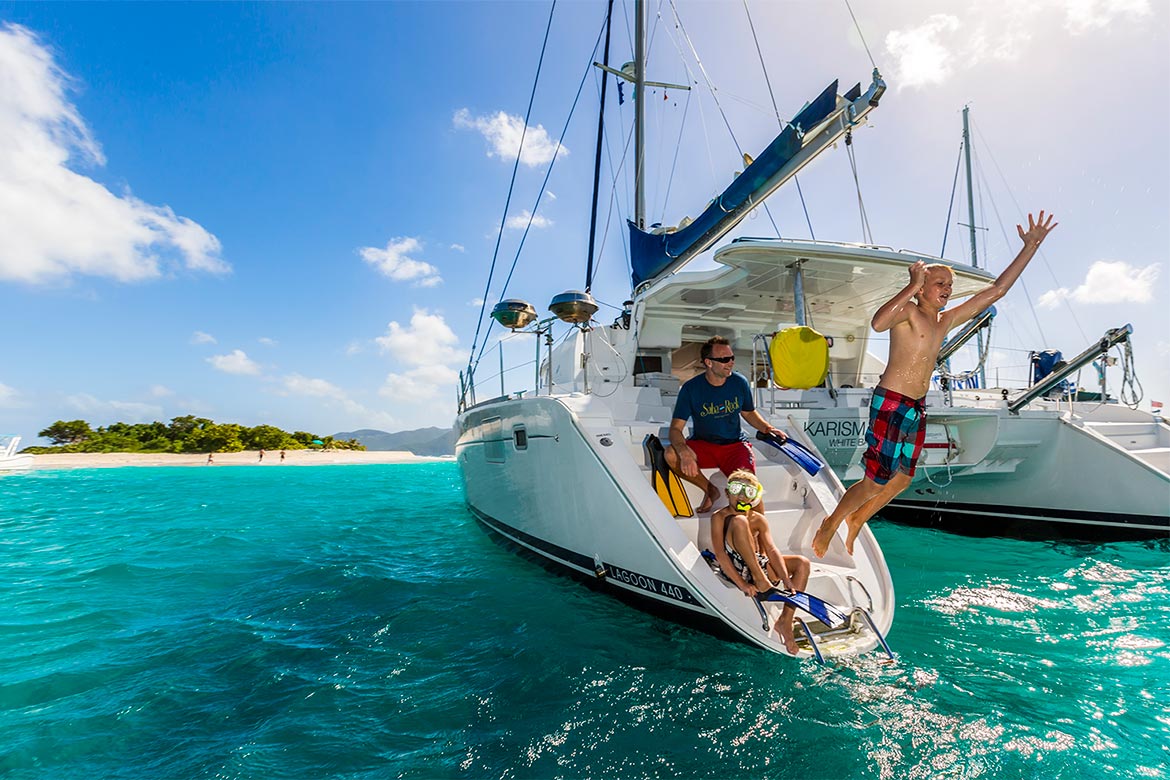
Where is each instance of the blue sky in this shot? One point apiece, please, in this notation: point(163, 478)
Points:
point(284, 213)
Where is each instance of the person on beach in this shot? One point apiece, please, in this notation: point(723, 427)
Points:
point(210, 458)
point(715, 401)
point(261, 460)
point(897, 417)
point(747, 554)
point(282, 456)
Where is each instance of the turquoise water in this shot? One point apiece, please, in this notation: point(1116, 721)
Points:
point(355, 622)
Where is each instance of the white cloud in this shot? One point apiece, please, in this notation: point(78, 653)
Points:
point(395, 263)
point(931, 51)
point(430, 347)
point(922, 54)
point(267, 341)
point(520, 221)
point(503, 133)
point(8, 395)
point(295, 384)
point(199, 337)
point(1083, 16)
point(1108, 282)
point(114, 411)
point(56, 222)
point(329, 393)
point(475, 302)
point(428, 341)
point(458, 248)
point(424, 383)
point(235, 362)
point(161, 391)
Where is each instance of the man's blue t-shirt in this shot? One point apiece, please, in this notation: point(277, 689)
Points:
point(715, 410)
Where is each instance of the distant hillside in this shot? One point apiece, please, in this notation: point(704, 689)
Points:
point(431, 442)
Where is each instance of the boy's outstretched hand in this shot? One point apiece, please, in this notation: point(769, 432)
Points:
point(1037, 229)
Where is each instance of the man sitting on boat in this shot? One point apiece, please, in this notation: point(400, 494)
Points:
point(715, 401)
point(747, 554)
point(897, 416)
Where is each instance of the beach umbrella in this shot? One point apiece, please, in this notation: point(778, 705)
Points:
point(317, 441)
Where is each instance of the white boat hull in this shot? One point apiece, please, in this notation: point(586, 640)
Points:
point(990, 471)
point(572, 491)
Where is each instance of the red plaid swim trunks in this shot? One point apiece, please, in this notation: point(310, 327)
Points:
point(897, 428)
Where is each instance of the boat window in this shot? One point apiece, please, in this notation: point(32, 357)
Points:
point(520, 437)
point(493, 440)
point(648, 364)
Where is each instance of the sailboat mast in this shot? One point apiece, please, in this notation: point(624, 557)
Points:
point(970, 198)
point(971, 227)
point(639, 113)
point(597, 155)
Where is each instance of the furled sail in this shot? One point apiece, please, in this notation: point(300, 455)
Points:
point(816, 127)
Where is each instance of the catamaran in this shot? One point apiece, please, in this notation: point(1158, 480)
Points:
point(572, 470)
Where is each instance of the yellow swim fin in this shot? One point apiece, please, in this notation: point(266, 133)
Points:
point(666, 483)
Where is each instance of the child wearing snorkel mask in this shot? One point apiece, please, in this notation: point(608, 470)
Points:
point(747, 554)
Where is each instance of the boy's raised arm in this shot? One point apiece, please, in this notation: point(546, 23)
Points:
point(1038, 230)
point(894, 310)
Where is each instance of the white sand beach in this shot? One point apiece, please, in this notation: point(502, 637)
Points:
point(97, 460)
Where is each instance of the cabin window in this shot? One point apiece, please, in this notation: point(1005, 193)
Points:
point(647, 364)
point(520, 437)
point(493, 441)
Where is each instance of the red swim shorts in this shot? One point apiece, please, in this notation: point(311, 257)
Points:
point(725, 457)
point(897, 429)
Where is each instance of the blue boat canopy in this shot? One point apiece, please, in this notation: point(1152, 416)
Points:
point(654, 254)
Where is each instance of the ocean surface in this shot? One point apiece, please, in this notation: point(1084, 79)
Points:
point(356, 622)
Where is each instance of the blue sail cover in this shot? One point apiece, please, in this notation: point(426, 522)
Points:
point(652, 254)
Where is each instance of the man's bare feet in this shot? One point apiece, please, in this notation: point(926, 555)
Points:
point(824, 535)
point(855, 527)
point(784, 629)
point(708, 499)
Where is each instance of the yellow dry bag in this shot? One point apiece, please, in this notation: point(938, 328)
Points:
point(800, 357)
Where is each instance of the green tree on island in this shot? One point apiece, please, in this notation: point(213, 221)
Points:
point(184, 434)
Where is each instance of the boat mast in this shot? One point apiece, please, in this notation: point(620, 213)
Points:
point(971, 224)
point(970, 198)
point(639, 124)
point(597, 156)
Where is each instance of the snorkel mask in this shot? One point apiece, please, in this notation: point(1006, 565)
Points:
point(749, 495)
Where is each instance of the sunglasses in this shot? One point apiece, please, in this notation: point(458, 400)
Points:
point(727, 359)
point(746, 489)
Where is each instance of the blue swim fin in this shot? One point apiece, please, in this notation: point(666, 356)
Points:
point(800, 454)
point(822, 610)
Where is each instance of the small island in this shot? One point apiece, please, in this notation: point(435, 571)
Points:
point(183, 435)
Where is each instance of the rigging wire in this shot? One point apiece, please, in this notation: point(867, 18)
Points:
point(692, 79)
point(866, 233)
point(714, 96)
point(779, 120)
point(951, 206)
point(860, 34)
point(1007, 243)
point(539, 196)
point(1019, 210)
point(508, 199)
point(1131, 392)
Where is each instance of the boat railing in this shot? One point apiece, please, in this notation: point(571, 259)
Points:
point(1108, 341)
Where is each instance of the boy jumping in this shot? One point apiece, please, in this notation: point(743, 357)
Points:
point(897, 417)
